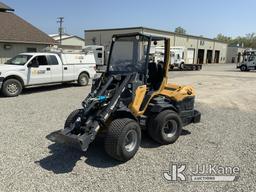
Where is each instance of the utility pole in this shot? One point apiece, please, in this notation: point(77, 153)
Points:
point(60, 20)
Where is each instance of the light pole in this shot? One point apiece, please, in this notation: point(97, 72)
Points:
point(60, 20)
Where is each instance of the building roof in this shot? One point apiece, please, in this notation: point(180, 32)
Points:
point(57, 35)
point(154, 30)
point(4, 7)
point(16, 30)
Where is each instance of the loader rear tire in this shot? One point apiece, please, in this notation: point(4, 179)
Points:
point(123, 139)
point(72, 117)
point(165, 128)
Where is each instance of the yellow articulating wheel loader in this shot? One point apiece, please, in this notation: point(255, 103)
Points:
point(132, 95)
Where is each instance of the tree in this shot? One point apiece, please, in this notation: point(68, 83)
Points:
point(180, 30)
point(221, 37)
point(249, 40)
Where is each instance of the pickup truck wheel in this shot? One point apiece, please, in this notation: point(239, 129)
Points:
point(123, 139)
point(83, 79)
point(171, 67)
point(11, 88)
point(165, 127)
point(181, 66)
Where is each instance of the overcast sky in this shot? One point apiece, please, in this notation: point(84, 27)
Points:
point(198, 17)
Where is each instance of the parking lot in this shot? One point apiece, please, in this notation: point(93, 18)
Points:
point(225, 136)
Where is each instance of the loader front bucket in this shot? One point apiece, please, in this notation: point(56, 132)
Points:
point(59, 137)
point(65, 137)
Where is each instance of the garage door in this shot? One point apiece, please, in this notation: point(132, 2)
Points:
point(190, 56)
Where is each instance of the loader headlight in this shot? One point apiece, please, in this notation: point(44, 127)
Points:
point(129, 86)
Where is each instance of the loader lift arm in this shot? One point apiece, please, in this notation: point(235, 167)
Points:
point(87, 126)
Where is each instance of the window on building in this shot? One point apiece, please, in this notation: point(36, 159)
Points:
point(30, 49)
point(52, 60)
point(201, 42)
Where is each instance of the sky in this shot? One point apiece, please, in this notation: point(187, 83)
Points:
point(199, 17)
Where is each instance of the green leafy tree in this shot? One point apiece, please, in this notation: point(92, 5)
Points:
point(221, 37)
point(180, 30)
point(249, 40)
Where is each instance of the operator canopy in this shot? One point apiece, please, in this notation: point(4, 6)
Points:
point(129, 53)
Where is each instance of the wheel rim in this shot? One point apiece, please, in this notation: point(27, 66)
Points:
point(83, 80)
point(12, 88)
point(170, 128)
point(131, 140)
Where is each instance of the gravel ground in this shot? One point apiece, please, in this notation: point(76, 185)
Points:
point(225, 136)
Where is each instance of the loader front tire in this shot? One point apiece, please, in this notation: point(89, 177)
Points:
point(72, 118)
point(123, 139)
point(165, 127)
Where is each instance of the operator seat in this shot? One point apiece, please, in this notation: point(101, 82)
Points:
point(152, 83)
point(152, 73)
point(160, 74)
point(155, 73)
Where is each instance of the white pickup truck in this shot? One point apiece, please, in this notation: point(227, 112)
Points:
point(35, 69)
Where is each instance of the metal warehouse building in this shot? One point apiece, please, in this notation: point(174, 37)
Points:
point(235, 54)
point(197, 49)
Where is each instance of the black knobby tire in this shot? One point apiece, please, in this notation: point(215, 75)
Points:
point(117, 139)
point(182, 66)
point(72, 118)
point(243, 68)
point(171, 68)
point(11, 88)
point(83, 79)
point(165, 127)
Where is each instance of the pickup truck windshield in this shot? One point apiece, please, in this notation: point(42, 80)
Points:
point(19, 60)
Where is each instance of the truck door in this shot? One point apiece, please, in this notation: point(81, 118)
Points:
point(251, 61)
point(56, 68)
point(172, 58)
point(177, 58)
point(40, 74)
